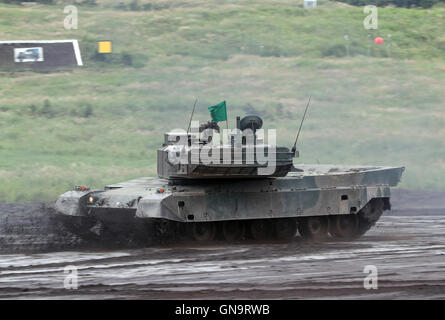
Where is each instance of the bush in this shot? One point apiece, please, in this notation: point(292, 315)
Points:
point(147, 7)
point(91, 3)
point(47, 109)
point(338, 50)
point(121, 6)
point(32, 109)
point(127, 59)
point(134, 5)
point(19, 1)
point(398, 3)
point(88, 111)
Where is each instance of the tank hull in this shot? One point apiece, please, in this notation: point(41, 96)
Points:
point(308, 191)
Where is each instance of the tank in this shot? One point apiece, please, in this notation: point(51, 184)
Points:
point(232, 194)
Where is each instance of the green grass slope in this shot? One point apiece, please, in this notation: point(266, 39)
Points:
point(102, 123)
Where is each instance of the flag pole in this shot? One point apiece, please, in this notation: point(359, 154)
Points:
point(227, 118)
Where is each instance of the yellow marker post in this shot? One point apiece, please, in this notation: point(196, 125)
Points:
point(105, 46)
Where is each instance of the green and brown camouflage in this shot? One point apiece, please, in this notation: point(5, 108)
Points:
point(319, 199)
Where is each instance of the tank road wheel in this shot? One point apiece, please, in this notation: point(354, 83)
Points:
point(232, 230)
point(203, 231)
point(285, 229)
point(343, 226)
point(163, 230)
point(261, 229)
point(314, 228)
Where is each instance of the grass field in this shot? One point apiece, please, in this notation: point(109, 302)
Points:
point(102, 123)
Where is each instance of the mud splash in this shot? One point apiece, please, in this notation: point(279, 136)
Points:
point(408, 251)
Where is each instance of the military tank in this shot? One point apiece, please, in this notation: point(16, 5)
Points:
point(232, 193)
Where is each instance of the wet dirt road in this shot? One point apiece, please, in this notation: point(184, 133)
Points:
point(406, 246)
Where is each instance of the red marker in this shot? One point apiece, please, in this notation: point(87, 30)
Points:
point(378, 40)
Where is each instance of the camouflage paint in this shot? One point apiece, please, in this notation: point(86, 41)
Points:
point(308, 191)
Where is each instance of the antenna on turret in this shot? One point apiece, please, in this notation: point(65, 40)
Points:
point(294, 148)
point(191, 117)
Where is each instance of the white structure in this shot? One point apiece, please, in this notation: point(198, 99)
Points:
point(310, 3)
point(32, 50)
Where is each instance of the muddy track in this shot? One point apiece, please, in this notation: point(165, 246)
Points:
point(407, 246)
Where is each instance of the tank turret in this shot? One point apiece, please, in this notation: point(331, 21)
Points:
point(207, 152)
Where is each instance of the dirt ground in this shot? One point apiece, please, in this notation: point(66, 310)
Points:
point(407, 247)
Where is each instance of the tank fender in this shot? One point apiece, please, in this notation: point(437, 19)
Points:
point(152, 206)
point(69, 203)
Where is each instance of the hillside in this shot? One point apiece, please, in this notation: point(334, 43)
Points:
point(103, 122)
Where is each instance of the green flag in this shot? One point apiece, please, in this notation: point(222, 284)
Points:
point(218, 112)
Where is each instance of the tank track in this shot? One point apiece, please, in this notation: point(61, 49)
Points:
point(313, 228)
point(371, 213)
